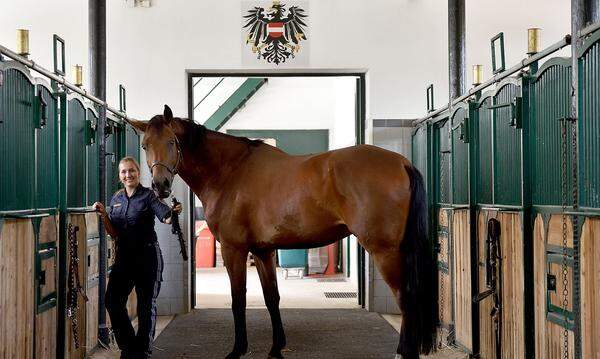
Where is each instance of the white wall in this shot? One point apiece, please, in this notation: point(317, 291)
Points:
point(485, 19)
point(302, 103)
point(402, 43)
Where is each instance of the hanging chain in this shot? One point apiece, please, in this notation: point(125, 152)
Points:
point(74, 284)
point(442, 173)
point(575, 195)
point(564, 267)
point(441, 237)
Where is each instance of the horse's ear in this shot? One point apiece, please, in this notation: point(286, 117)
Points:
point(138, 125)
point(168, 114)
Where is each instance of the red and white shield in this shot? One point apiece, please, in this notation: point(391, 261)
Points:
point(275, 29)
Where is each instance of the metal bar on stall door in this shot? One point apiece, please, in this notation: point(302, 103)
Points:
point(62, 227)
point(60, 80)
point(565, 41)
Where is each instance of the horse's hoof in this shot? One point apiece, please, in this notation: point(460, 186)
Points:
point(275, 354)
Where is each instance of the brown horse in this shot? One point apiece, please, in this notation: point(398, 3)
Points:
point(257, 199)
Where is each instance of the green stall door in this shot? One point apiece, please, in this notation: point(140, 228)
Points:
point(17, 146)
point(589, 124)
point(46, 147)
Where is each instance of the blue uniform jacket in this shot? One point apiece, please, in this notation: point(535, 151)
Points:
point(133, 217)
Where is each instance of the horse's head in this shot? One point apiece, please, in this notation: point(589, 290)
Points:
point(163, 151)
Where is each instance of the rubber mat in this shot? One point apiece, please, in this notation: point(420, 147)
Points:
point(311, 334)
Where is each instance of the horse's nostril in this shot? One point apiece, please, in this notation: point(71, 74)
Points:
point(167, 183)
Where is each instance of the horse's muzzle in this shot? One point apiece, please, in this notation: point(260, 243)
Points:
point(162, 188)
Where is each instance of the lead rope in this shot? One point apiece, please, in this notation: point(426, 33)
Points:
point(74, 284)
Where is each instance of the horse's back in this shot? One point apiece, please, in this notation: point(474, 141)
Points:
point(357, 171)
point(366, 164)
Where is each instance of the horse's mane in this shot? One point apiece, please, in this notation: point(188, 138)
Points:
point(196, 134)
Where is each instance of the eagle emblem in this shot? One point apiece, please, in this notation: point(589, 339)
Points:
point(275, 33)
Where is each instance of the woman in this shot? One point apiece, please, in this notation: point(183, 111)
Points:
point(138, 262)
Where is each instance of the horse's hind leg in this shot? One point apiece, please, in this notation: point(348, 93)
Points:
point(235, 262)
point(389, 264)
point(265, 264)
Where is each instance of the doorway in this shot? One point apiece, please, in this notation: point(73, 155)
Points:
point(307, 278)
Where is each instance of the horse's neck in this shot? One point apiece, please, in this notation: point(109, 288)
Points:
point(209, 165)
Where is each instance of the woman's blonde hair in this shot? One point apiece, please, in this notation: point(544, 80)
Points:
point(132, 160)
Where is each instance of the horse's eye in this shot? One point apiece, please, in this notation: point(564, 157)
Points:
point(171, 143)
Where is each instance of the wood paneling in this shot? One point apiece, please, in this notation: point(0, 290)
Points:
point(511, 287)
point(110, 253)
point(539, 277)
point(49, 230)
point(92, 261)
point(45, 334)
point(46, 322)
point(549, 337)
point(72, 352)
point(91, 224)
point(461, 263)
point(445, 289)
point(17, 295)
point(92, 318)
point(487, 340)
point(590, 288)
point(513, 298)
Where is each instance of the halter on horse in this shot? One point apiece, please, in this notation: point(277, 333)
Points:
point(257, 199)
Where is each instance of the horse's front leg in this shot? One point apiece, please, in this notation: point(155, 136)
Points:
point(265, 264)
point(235, 262)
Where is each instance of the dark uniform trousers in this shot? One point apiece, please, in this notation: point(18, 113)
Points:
point(140, 268)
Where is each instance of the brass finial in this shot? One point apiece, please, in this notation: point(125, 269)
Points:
point(23, 42)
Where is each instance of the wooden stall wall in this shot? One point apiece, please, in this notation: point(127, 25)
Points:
point(445, 290)
point(513, 295)
point(549, 336)
point(17, 244)
point(71, 351)
point(92, 272)
point(487, 341)
point(590, 288)
point(511, 289)
point(461, 272)
point(45, 321)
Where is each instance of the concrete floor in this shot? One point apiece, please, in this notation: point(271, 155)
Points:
point(113, 352)
point(213, 291)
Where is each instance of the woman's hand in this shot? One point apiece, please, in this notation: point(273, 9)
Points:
point(99, 207)
point(177, 208)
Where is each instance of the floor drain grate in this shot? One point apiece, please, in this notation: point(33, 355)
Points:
point(331, 280)
point(335, 295)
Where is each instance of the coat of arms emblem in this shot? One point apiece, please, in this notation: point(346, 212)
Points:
point(275, 33)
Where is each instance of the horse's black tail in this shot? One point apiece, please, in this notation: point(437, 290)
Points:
point(419, 290)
